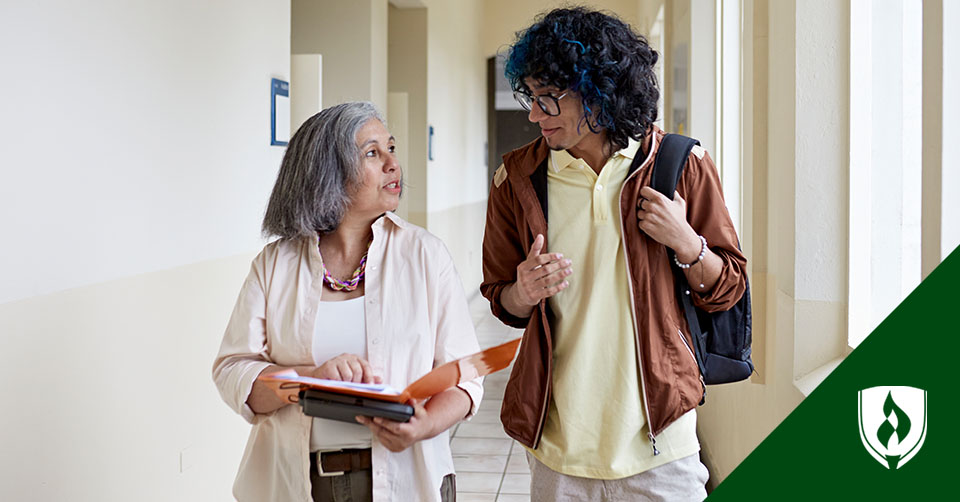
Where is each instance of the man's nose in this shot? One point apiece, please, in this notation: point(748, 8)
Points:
point(535, 114)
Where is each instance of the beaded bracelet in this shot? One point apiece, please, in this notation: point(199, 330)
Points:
point(703, 252)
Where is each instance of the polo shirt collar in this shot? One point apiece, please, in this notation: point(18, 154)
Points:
point(561, 159)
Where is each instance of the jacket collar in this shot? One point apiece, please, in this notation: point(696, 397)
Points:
point(529, 157)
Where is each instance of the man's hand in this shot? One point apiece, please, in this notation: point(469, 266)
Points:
point(540, 275)
point(398, 436)
point(665, 221)
point(347, 368)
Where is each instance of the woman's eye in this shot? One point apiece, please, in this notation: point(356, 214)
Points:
point(371, 153)
point(393, 149)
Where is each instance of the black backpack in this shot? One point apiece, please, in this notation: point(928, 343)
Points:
point(721, 340)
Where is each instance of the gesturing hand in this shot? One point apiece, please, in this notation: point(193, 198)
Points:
point(541, 275)
point(665, 220)
point(347, 368)
point(398, 436)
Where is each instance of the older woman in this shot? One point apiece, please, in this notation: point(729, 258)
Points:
point(349, 292)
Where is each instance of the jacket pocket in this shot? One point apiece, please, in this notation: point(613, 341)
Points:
point(703, 384)
point(687, 346)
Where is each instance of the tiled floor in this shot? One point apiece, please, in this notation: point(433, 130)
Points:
point(490, 466)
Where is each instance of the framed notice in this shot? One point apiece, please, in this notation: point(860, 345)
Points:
point(279, 112)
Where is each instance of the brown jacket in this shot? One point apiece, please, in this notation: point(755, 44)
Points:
point(516, 213)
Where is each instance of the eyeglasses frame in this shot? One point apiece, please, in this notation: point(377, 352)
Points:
point(536, 99)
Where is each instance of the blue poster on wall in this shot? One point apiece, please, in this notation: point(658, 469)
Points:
point(279, 112)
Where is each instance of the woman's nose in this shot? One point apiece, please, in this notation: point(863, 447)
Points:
point(392, 164)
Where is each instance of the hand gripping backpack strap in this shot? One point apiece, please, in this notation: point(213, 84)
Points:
point(667, 168)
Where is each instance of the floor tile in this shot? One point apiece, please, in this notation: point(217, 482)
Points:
point(478, 430)
point(478, 482)
point(476, 497)
point(517, 463)
point(485, 416)
point(516, 483)
point(510, 498)
point(490, 404)
point(480, 446)
point(480, 463)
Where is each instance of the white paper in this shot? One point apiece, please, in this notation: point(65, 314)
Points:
point(282, 118)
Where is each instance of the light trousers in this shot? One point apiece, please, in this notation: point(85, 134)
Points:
point(682, 480)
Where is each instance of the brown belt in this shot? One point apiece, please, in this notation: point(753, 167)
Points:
point(336, 463)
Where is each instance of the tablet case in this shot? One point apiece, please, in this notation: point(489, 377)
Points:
point(342, 407)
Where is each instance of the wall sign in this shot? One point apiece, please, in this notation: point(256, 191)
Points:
point(279, 112)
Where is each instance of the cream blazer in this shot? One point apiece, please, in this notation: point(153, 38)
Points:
point(416, 319)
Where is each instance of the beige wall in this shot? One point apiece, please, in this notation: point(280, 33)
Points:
point(800, 200)
point(941, 123)
point(503, 18)
point(136, 168)
point(351, 37)
point(407, 72)
point(456, 108)
point(108, 394)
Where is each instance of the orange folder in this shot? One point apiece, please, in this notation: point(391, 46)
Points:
point(288, 384)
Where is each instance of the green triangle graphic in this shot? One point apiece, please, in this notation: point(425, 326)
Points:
point(816, 452)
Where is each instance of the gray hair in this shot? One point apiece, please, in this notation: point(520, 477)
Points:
point(320, 167)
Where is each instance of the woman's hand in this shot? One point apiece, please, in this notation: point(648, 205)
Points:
point(439, 414)
point(347, 368)
point(398, 436)
point(665, 221)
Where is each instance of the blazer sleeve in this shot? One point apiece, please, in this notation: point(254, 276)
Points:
point(502, 251)
point(707, 213)
point(456, 337)
point(243, 351)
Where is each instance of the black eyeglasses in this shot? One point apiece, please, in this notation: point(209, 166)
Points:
point(549, 104)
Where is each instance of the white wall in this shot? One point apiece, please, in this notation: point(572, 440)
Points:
point(135, 169)
point(702, 74)
point(135, 138)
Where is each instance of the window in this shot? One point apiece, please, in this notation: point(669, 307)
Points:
point(885, 160)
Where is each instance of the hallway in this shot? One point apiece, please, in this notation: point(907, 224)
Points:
point(490, 466)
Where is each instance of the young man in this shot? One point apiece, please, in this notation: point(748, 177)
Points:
point(605, 386)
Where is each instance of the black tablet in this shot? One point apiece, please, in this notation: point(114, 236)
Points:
point(318, 403)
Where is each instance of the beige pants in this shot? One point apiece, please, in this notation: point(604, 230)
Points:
point(678, 481)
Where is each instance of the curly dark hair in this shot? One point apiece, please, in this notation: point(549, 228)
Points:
point(599, 57)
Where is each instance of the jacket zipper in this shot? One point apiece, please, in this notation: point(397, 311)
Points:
point(633, 317)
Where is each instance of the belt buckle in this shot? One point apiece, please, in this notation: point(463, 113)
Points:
point(320, 466)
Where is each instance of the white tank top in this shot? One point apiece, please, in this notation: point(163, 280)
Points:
point(340, 329)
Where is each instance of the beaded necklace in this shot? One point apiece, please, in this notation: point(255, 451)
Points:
point(350, 284)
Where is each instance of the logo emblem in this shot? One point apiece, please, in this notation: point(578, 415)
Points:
point(893, 423)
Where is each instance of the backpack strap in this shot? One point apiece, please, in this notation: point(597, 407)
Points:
point(667, 168)
point(671, 159)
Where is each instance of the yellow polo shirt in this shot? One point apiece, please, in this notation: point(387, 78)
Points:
point(596, 426)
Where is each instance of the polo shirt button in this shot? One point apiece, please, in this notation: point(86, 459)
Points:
point(599, 187)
